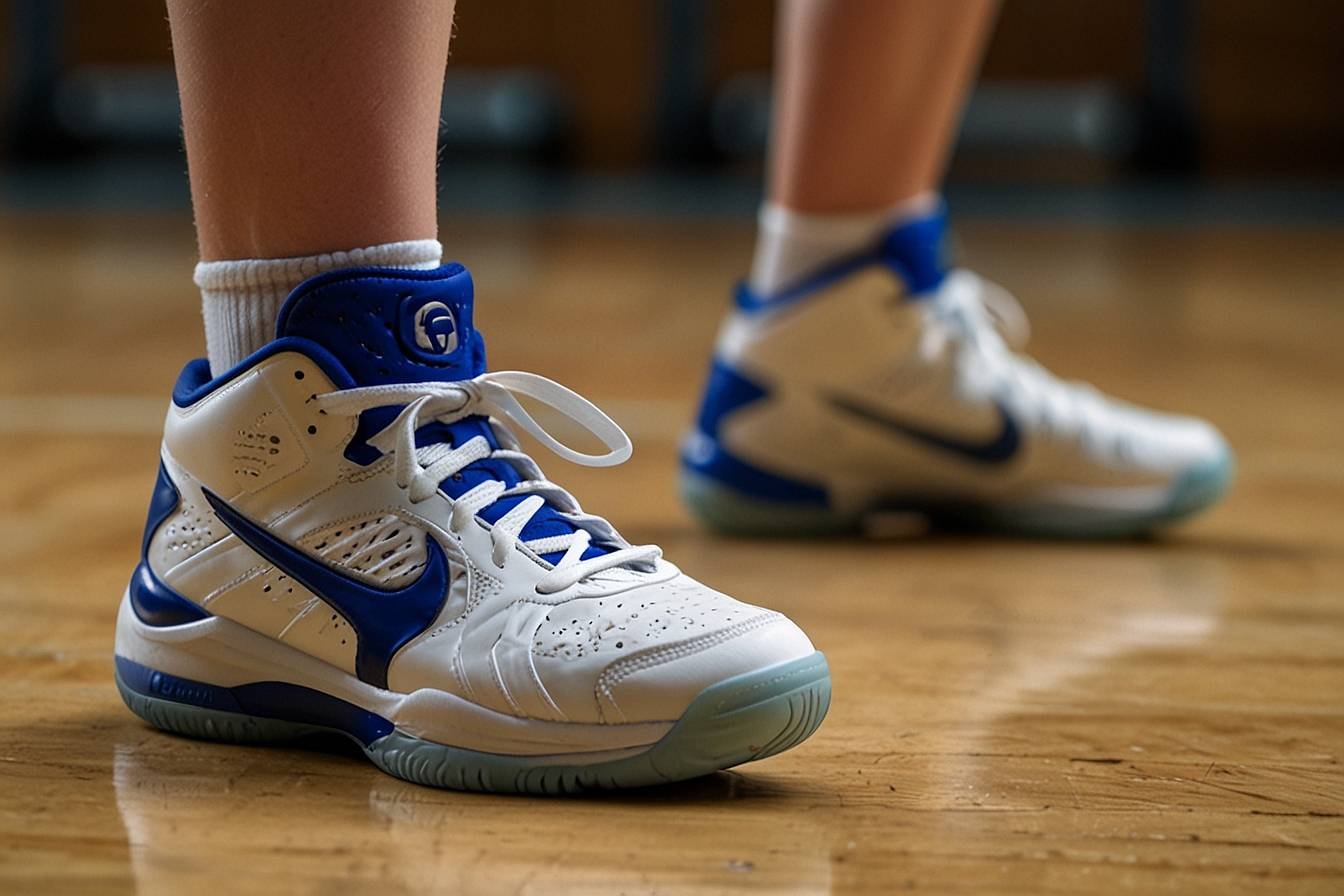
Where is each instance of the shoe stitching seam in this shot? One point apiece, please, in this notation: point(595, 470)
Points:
point(655, 656)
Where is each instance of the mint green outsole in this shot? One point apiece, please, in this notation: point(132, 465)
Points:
point(739, 720)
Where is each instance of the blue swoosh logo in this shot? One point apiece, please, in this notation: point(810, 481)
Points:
point(383, 621)
point(1001, 449)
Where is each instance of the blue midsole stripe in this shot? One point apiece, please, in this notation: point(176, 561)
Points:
point(265, 699)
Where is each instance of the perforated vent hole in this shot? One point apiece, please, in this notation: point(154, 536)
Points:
point(668, 612)
point(257, 448)
point(187, 531)
point(277, 585)
point(382, 547)
point(337, 625)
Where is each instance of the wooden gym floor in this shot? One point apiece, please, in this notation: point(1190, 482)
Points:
point(1009, 716)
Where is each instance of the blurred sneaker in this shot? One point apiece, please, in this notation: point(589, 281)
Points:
point(346, 537)
point(886, 383)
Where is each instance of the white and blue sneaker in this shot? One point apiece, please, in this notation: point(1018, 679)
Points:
point(346, 537)
point(884, 383)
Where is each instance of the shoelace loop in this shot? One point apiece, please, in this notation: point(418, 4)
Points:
point(993, 324)
point(420, 470)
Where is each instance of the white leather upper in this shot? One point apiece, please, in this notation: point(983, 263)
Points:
point(862, 341)
point(621, 646)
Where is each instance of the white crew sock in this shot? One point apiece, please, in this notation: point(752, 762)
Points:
point(791, 244)
point(241, 300)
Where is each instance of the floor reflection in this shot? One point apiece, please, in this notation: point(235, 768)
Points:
point(1066, 686)
point(186, 815)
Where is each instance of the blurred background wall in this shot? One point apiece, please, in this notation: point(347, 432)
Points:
point(1072, 95)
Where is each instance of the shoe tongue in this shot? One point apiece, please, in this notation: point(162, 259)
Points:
point(390, 326)
point(917, 249)
point(397, 326)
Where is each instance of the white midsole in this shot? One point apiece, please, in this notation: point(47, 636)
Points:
point(221, 652)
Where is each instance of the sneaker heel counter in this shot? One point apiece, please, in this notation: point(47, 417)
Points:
point(153, 601)
point(162, 502)
point(719, 397)
point(704, 453)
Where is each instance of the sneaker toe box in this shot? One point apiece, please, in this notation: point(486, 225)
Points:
point(1205, 476)
point(659, 683)
point(644, 654)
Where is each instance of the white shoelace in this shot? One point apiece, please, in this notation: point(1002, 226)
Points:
point(420, 470)
point(991, 324)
